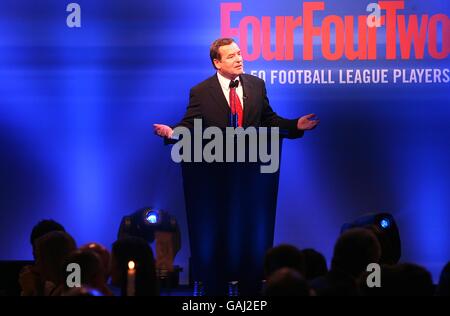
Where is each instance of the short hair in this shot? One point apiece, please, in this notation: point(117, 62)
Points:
point(284, 256)
point(214, 49)
point(354, 250)
point(51, 251)
point(315, 264)
point(43, 227)
point(136, 249)
point(103, 254)
point(90, 263)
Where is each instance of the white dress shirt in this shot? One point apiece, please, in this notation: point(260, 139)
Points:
point(225, 84)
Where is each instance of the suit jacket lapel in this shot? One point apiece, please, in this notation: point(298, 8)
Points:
point(217, 94)
point(247, 88)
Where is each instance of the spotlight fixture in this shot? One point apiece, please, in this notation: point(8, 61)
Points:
point(152, 224)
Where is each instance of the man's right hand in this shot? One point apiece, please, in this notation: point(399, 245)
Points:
point(163, 130)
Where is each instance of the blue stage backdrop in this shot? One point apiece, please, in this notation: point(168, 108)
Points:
point(77, 106)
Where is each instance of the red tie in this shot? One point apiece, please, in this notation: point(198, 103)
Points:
point(235, 103)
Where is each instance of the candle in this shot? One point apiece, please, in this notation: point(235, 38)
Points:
point(131, 279)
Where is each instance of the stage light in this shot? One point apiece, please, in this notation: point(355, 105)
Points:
point(385, 223)
point(140, 224)
point(152, 224)
point(151, 217)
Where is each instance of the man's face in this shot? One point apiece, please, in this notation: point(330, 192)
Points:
point(231, 64)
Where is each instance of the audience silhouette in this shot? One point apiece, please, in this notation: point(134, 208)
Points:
point(288, 270)
point(353, 251)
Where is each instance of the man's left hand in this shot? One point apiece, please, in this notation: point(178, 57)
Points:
point(307, 122)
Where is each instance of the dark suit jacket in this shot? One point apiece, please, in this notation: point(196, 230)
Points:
point(207, 101)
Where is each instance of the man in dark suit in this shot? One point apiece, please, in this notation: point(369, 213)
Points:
point(210, 100)
point(219, 252)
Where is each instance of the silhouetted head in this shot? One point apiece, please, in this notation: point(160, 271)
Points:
point(104, 255)
point(284, 256)
point(51, 251)
point(137, 250)
point(354, 250)
point(92, 272)
point(43, 227)
point(315, 264)
point(286, 282)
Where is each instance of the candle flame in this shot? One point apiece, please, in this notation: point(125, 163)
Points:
point(131, 265)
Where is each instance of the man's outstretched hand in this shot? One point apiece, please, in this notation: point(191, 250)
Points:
point(163, 130)
point(304, 123)
point(307, 122)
